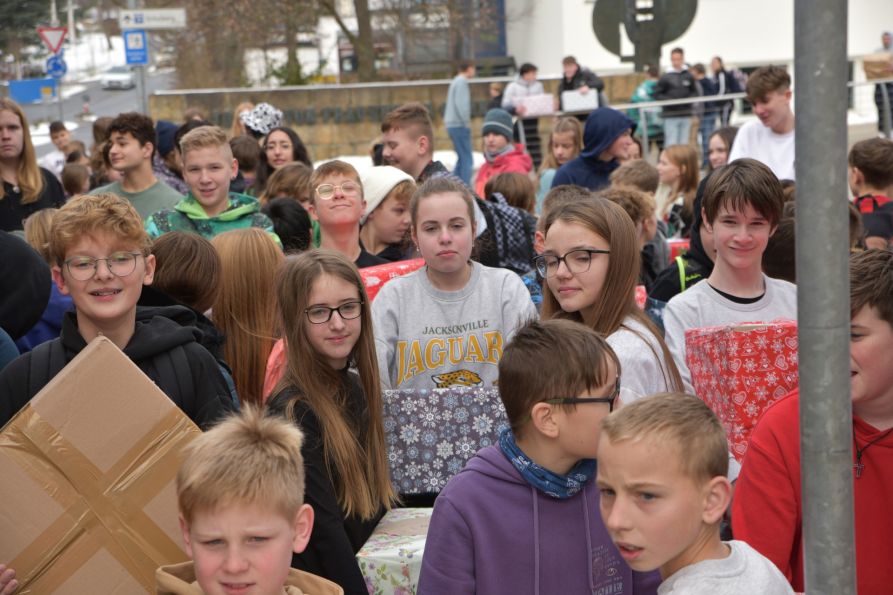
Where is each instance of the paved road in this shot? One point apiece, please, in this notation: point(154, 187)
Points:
point(102, 103)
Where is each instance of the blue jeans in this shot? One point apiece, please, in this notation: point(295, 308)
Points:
point(708, 125)
point(676, 130)
point(461, 138)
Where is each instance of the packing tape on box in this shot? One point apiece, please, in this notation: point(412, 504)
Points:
point(101, 510)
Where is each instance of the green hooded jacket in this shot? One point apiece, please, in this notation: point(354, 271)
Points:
point(189, 216)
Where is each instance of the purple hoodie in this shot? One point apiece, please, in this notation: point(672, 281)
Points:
point(492, 532)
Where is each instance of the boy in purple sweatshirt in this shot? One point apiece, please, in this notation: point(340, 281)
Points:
point(522, 516)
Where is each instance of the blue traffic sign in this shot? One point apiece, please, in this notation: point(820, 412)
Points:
point(136, 46)
point(56, 66)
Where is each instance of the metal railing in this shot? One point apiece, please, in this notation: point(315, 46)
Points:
point(886, 116)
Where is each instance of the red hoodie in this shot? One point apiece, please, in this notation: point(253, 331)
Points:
point(516, 161)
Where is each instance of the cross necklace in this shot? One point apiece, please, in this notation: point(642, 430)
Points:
point(858, 466)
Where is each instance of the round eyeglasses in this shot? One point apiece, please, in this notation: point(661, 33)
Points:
point(119, 264)
point(576, 261)
point(327, 191)
point(322, 314)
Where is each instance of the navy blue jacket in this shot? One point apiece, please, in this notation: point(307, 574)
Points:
point(602, 128)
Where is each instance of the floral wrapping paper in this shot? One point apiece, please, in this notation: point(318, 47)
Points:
point(431, 434)
point(391, 559)
point(740, 370)
point(375, 277)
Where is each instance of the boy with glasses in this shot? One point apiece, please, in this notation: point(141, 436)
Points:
point(337, 203)
point(521, 517)
point(101, 258)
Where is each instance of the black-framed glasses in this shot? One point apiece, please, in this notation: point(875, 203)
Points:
point(120, 264)
point(322, 314)
point(327, 191)
point(610, 399)
point(576, 261)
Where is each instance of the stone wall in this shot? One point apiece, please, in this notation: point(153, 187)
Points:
point(338, 120)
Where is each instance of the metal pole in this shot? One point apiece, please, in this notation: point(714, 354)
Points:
point(823, 296)
point(886, 89)
point(646, 145)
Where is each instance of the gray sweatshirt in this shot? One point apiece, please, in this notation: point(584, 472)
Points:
point(743, 572)
point(701, 306)
point(457, 113)
point(428, 338)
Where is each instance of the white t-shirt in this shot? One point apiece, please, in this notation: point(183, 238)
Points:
point(702, 306)
point(642, 364)
point(53, 161)
point(744, 572)
point(759, 142)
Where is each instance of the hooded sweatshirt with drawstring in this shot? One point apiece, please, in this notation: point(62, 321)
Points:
point(603, 126)
point(188, 215)
point(492, 532)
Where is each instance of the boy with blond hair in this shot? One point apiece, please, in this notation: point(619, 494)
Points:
point(240, 493)
point(210, 208)
point(662, 471)
point(768, 507)
point(520, 517)
point(101, 257)
point(742, 206)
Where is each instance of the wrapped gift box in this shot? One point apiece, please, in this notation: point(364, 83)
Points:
point(678, 247)
point(375, 277)
point(740, 370)
point(431, 434)
point(576, 101)
point(391, 559)
point(88, 468)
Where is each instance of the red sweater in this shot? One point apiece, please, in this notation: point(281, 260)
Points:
point(516, 161)
point(766, 511)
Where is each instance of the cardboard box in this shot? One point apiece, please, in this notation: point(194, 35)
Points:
point(740, 370)
point(391, 559)
point(88, 468)
point(878, 65)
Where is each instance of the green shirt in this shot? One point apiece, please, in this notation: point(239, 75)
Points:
point(188, 215)
point(156, 197)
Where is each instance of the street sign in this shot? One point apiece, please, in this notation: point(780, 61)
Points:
point(56, 66)
point(154, 18)
point(136, 47)
point(26, 91)
point(52, 37)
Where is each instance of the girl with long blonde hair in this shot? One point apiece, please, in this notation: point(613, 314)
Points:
point(26, 187)
point(245, 307)
point(331, 390)
point(677, 169)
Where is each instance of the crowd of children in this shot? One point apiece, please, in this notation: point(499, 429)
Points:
point(242, 298)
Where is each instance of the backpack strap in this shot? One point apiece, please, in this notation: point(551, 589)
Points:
point(174, 367)
point(47, 360)
point(680, 265)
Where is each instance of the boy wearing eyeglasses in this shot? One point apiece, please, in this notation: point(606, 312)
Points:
point(210, 208)
point(101, 259)
point(337, 203)
point(522, 516)
point(742, 205)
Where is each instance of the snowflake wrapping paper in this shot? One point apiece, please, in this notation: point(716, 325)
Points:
point(739, 370)
point(391, 559)
point(431, 434)
point(375, 277)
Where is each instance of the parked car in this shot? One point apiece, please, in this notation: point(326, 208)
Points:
point(118, 77)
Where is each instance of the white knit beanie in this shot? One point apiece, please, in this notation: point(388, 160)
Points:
point(378, 183)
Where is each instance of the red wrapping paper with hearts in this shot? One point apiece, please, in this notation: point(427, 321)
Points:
point(375, 277)
point(678, 247)
point(739, 370)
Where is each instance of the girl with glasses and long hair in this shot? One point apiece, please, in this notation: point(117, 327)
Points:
point(445, 324)
point(331, 390)
point(26, 187)
point(591, 266)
